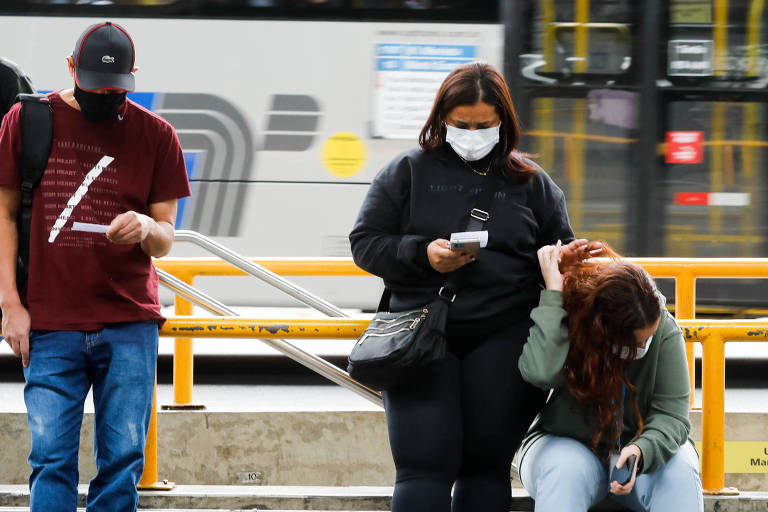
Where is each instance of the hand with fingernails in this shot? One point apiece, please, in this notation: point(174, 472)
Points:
point(580, 249)
point(443, 259)
point(552, 258)
point(626, 453)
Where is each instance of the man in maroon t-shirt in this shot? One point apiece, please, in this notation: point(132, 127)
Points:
point(89, 314)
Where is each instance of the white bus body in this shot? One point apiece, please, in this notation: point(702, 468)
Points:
point(283, 123)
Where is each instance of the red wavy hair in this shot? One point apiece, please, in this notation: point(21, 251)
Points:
point(606, 302)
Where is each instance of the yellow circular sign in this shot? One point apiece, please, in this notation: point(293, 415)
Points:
point(344, 154)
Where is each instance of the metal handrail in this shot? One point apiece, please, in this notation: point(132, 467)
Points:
point(194, 295)
point(149, 478)
point(260, 272)
point(311, 361)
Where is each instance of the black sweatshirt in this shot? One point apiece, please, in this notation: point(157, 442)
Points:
point(424, 195)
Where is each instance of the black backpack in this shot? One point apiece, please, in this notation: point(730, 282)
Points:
point(12, 82)
point(36, 117)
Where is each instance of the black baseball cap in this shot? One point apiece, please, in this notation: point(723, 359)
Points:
point(104, 57)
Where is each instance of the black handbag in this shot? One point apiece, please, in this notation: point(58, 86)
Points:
point(398, 347)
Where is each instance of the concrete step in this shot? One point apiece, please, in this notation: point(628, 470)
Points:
point(278, 448)
point(201, 498)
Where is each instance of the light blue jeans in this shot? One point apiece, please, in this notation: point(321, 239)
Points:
point(562, 474)
point(119, 362)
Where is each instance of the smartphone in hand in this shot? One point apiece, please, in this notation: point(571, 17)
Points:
point(469, 245)
point(469, 241)
point(623, 474)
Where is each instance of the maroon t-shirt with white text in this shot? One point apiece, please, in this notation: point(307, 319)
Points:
point(79, 280)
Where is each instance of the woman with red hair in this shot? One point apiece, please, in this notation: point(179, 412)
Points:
point(614, 358)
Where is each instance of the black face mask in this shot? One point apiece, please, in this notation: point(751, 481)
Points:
point(99, 107)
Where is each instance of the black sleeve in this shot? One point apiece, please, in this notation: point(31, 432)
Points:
point(557, 226)
point(552, 212)
point(379, 245)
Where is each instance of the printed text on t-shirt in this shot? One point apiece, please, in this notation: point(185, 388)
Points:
point(77, 196)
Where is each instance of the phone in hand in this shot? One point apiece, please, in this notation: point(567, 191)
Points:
point(623, 474)
point(471, 246)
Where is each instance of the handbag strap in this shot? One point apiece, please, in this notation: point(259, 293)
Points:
point(478, 216)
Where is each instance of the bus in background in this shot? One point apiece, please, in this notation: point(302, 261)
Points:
point(285, 109)
point(650, 115)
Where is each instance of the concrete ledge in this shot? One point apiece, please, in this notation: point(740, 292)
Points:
point(226, 497)
point(316, 448)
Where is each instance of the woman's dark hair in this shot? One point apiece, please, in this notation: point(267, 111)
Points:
point(606, 302)
point(467, 85)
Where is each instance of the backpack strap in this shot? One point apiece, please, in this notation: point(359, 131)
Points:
point(36, 141)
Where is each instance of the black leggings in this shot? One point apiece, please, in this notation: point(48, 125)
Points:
point(462, 425)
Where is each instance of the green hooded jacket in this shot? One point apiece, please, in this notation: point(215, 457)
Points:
point(660, 379)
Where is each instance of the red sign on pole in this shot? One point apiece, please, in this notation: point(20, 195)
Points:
point(684, 147)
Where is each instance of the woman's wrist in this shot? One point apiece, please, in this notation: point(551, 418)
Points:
point(554, 282)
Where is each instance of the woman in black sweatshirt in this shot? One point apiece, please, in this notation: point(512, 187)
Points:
point(462, 423)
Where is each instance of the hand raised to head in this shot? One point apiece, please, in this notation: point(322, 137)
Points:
point(549, 260)
point(580, 249)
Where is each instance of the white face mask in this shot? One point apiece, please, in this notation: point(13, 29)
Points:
point(641, 351)
point(472, 144)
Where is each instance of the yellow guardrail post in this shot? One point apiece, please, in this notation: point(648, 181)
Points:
point(713, 334)
point(149, 479)
point(685, 307)
point(713, 415)
point(183, 358)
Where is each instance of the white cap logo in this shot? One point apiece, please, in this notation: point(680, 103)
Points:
point(107, 59)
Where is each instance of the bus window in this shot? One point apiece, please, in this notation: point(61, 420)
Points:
point(718, 43)
point(579, 107)
point(587, 145)
point(585, 39)
point(715, 188)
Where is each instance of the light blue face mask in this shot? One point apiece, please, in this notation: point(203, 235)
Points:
point(472, 144)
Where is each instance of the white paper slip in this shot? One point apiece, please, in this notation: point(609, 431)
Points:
point(481, 236)
point(90, 228)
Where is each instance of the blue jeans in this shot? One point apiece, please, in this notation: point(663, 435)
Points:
point(561, 473)
point(119, 362)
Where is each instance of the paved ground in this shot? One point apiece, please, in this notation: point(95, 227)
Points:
point(259, 398)
point(234, 398)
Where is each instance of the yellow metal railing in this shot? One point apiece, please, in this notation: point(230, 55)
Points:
point(187, 269)
point(684, 271)
point(712, 334)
